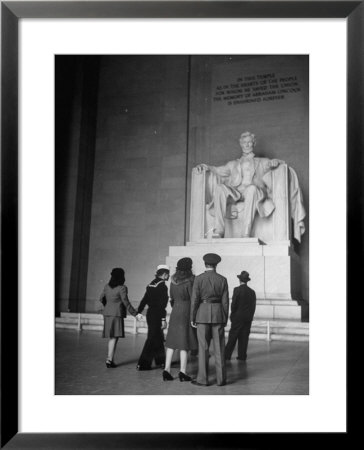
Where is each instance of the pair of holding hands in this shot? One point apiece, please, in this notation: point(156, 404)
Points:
point(140, 317)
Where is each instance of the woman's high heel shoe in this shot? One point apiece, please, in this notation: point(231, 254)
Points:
point(166, 376)
point(183, 377)
point(110, 363)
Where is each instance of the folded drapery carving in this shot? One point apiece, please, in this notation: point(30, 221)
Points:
point(298, 212)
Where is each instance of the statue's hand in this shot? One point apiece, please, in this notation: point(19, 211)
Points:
point(202, 167)
point(275, 163)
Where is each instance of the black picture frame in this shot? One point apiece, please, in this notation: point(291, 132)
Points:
point(11, 12)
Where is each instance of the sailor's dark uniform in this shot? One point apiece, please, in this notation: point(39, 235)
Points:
point(156, 298)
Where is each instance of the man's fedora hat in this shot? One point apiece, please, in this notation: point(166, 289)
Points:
point(211, 258)
point(244, 276)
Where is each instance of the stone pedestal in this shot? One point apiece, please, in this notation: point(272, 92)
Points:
point(273, 269)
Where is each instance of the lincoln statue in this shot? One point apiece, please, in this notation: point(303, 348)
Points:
point(242, 180)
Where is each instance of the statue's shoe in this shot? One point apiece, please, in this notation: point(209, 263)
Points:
point(216, 235)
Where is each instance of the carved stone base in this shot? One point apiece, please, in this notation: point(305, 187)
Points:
point(273, 269)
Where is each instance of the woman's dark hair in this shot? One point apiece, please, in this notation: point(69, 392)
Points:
point(181, 275)
point(117, 277)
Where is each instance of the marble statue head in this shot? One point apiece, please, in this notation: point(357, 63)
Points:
point(247, 142)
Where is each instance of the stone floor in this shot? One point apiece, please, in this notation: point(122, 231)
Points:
point(272, 368)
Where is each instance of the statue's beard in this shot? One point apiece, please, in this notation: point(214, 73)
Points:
point(247, 153)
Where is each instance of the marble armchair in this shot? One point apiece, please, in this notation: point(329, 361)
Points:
point(276, 227)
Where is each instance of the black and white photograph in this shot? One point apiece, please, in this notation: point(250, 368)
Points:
point(181, 198)
point(182, 226)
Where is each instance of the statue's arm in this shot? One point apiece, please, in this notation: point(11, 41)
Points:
point(269, 164)
point(221, 171)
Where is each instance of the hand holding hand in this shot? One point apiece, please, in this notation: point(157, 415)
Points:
point(202, 167)
point(193, 324)
point(139, 316)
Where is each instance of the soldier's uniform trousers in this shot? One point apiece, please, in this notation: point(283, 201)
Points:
point(206, 332)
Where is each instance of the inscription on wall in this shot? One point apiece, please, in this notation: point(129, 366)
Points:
point(258, 88)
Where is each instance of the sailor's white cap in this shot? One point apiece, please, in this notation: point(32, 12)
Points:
point(163, 266)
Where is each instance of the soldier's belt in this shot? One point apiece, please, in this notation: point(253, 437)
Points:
point(212, 300)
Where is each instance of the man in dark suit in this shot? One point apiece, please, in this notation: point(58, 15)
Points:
point(242, 313)
point(209, 314)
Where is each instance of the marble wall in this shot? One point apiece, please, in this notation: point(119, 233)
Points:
point(139, 187)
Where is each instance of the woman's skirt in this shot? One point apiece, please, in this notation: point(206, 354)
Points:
point(113, 327)
point(181, 335)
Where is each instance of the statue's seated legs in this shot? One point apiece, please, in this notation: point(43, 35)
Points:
point(250, 197)
point(223, 197)
point(215, 206)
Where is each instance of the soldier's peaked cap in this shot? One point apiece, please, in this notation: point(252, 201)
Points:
point(211, 258)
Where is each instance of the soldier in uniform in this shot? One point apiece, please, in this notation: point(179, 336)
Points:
point(156, 298)
point(209, 314)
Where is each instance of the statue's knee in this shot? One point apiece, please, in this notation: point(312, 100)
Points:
point(219, 191)
point(250, 191)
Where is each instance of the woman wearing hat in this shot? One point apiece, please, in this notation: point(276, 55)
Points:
point(242, 312)
point(156, 298)
point(114, 299)
point(181, 335)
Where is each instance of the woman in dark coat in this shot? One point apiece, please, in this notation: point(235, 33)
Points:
point(156, 298)
point(181, 336)
point(114, 299)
